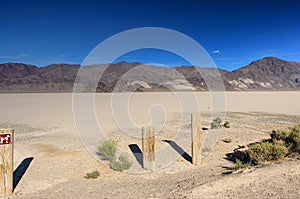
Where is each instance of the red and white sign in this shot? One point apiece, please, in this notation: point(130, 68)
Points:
point(5, 139)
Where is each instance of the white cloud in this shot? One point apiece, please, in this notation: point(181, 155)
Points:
point(13, 56)
point(269, 53)
point(216, 51)
point(291, 53)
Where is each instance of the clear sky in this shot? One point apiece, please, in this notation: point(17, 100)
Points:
point(234, 33)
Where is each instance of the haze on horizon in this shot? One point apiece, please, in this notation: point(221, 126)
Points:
point(234, 33)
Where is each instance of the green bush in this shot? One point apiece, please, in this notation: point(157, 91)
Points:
point(294, 139)
point(291, 138)
point(107, 150)
point(280, 135)
point(92, 175)
point(216, 123)
point(296, 128)
point(122, 164)
point(282, 143)
point(240, 165)
point(226, 124)
point(267, 151)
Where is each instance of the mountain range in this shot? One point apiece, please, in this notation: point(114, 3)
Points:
point(269, 73)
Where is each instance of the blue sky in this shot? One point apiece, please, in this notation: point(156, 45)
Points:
point(234, 33)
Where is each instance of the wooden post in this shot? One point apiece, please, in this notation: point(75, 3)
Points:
point(196, 130)
point(148, 147)
point(6, 161)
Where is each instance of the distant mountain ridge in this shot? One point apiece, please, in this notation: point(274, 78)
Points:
point(269, 73)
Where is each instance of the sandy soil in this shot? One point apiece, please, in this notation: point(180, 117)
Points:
point(45, 131)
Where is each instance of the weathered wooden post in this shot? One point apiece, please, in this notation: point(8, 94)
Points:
point(196, 130)
point(148, 147)
point(6, 161)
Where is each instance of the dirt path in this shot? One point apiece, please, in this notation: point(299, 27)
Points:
point(60, 162)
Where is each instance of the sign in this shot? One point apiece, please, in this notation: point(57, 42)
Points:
point(6, 162)
point(5, 139)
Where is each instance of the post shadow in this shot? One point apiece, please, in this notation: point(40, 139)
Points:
point(20, 171)
point(138, 154)
point(179, 150)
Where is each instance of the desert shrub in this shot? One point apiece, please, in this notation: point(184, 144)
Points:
point(267, 151)
point(294, 139)
point(216, 123)
point(281, 144)
point(296, 128)
point(280, 135)
point(240, 165)
point(291, 138)
point(278, 151)
point(226, 124)
point(227, 140)
point(241, 155)
point(122, 164)
point(92, 175)
point(107, 150)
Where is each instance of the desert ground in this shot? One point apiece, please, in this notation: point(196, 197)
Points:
point(46, 136)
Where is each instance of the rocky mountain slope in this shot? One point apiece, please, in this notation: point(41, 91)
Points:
point(269, 73)
point(17, 77)
point(266, 74)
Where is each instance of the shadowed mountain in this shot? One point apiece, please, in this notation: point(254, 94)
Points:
point(17, 77)
point(269, 73)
